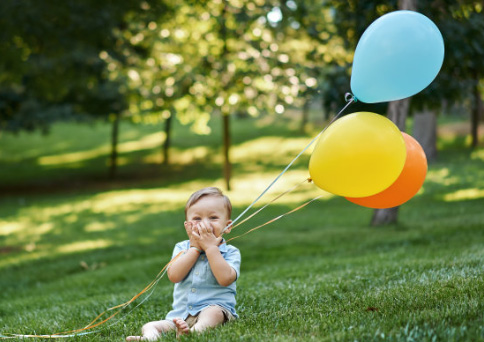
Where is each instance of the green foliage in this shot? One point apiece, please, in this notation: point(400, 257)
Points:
point(461, 25)
point(58, 59)
point(152, 60)
point(223, 57)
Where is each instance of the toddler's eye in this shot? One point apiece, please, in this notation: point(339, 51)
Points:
point(214, 217)
point(197, 219)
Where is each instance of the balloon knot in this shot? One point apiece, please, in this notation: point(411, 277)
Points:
point(350, 97)
point(310, 180)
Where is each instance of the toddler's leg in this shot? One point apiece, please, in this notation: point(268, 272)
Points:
point(209, 318)
point(152, 331)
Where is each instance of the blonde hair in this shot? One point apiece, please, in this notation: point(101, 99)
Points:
point(210, 191)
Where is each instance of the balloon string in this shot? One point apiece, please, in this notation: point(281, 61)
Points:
point(275, 219)
point(95, 323)
point(308, 180)
point(350, 98)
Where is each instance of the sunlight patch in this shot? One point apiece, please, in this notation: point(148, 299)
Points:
point(248, 187)
point(99, 227)
point(187, 157)
point(464, 194)
point(442, 176)
point(276, 147)
point(24, 232)
point(127, 200)
point(83, 246)
point(73, 157)
point(478, 155)
point(7, 228)
point(150, 141)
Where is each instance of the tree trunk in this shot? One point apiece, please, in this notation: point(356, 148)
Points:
point(167, 143)
point(226, 150)
point(114, 148)
point(384, 216)
point(305, 115)
point(397, 112)
point(225, 116)
point(409, 5)
point(476, 115)
point(325, 112)
point(425, 132)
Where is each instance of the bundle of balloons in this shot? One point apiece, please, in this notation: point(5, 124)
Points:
point(363, 156)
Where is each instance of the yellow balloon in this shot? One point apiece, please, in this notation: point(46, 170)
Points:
point(359, 155)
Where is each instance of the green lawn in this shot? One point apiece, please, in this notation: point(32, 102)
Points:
point(73, 244)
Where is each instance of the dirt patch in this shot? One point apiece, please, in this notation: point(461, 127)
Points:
point(9, 249)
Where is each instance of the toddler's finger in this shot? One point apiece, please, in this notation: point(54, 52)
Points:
point(188, 226)
point(203, 227)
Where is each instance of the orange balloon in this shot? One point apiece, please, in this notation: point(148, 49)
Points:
point(407, 184)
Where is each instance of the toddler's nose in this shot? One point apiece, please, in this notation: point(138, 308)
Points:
point(207, 223)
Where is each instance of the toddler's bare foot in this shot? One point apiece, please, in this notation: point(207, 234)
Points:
point(181, 327)
point(142, 338)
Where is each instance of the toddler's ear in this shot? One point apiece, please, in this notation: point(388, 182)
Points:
point(229, 229)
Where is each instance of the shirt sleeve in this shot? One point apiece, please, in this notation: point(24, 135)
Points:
point(233, 258)
point(180, 246)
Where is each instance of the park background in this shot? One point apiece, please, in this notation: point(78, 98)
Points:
point(113, 113)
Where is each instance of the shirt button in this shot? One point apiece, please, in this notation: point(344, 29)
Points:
point(203, 258)
point(194, 290)
point(190, 307)
point(196, 273)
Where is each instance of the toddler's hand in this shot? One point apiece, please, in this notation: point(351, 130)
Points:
point(206, 237)
point(190, 227)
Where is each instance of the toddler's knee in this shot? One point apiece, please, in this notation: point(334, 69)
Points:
point(149, 328)
point(146, 326)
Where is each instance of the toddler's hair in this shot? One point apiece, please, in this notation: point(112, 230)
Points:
point(210, 191)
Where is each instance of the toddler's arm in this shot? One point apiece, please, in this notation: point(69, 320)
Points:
point(179, 269)
point(223, 272)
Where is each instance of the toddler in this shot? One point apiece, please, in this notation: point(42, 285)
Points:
point(205, 274)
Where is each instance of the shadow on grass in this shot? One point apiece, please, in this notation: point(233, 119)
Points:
point(193, 157)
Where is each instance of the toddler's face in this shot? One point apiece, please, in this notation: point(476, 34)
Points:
point(212, 212)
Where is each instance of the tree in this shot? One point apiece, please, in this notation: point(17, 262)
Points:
point(461, 25)
point(220, 58)
point(316, 51)
point(51, 68)
point(64, 60)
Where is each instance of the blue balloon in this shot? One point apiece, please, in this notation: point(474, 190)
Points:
point(397, 56)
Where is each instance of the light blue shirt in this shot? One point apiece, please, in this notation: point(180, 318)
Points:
point(200, 289)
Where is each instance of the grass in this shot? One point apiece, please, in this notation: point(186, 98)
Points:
point(72, 248)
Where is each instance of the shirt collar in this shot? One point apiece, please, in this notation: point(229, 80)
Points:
point(223, 246)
